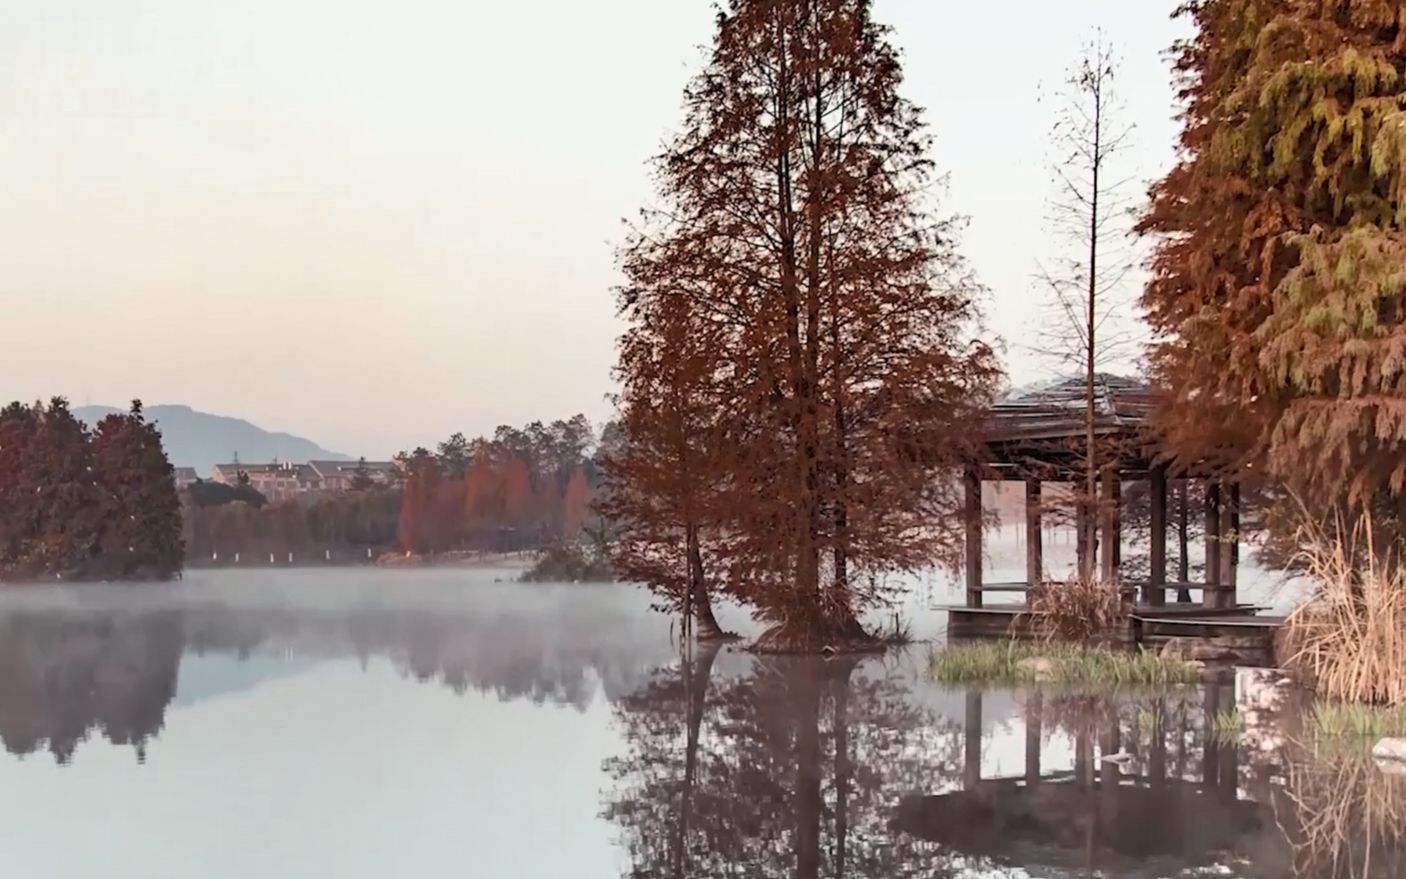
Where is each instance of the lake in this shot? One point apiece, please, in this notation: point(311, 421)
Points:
point(376, 723)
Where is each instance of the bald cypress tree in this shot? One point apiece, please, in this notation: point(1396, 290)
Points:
point(1277, 288)
point(797, 219)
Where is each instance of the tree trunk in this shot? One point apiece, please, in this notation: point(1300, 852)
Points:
point(705, 624)
point(696, 675)
point(803, 412)
point(1183, 540)
point(1090, 344)
point(808, 799)
point(843, 769)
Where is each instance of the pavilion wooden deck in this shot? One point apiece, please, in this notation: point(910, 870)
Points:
point(1252, 634)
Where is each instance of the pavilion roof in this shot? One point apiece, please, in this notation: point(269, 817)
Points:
point(1056, 410)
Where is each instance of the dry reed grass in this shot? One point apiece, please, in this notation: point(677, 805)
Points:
point(1347, 641)
point(1078, 609)
point(1348, 818)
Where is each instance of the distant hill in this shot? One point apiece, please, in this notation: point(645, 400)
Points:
point(201, 440)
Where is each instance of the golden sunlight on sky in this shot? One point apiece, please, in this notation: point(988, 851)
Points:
point(376, 223)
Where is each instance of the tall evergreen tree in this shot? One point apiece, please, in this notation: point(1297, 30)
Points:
point(18, 425)
point(60, 497)
point(141, 512)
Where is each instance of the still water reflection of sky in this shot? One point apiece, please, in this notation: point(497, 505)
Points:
point(366, 723)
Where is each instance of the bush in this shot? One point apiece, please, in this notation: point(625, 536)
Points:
point(569, 563)
point(1077, 609)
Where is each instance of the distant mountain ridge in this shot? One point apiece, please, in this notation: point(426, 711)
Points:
point(202, 440)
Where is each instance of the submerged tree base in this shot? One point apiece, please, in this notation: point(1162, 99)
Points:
point(716, 636)
point(809, 638)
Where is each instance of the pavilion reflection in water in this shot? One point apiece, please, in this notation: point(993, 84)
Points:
point(1152, 788)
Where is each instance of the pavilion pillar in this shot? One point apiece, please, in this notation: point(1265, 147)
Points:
point(1156, 592)
point(1034, 734)
point(971, 762)
point(1083, 537)
point(1229, 544)
point(1211, 752)
point(1157, 753)
point(1034, 536)
point(972, 491)
point(1211, 597)
point(1110, 524)
point(1183, 544)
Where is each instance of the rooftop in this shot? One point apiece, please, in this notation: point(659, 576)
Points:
point(1047, 422)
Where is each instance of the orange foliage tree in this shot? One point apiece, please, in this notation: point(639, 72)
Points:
point(1277, 285)
point(575, 503)
point(831, 309)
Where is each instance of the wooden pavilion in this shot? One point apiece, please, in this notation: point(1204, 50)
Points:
point(1039, 437)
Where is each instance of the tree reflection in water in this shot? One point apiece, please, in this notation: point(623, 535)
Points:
point(730, 764)
point(64, 676)
point(790, 766)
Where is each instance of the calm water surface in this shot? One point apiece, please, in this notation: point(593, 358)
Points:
point(365, 723)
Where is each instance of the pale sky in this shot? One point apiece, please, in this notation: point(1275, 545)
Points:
point(373, 223)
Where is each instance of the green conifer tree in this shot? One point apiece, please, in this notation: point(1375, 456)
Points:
point(141, 511)
point(60, 510)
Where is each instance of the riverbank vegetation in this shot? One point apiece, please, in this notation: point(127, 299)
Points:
point(85, 505)
point(522, 490)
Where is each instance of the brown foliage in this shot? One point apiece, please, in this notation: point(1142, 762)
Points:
point(798, 324)
point(1276, 287)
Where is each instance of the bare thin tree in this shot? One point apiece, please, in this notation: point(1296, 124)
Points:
point(1089, 216)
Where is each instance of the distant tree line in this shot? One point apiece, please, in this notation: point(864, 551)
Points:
point(82, 504)
point(521, 489)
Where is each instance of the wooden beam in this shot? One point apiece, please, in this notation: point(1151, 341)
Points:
point(972, 490)
point(1213, 534)
point(1156, 593)
point(1034, 537)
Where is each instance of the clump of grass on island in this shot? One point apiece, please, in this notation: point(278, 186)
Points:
point(1227, 726)
point(1009, 662)
point(1345, 721)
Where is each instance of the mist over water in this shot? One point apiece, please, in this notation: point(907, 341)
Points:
point(371, 723)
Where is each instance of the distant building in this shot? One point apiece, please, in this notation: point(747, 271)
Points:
point(276, 482)
point(339, 475)
point(184, 477)
point(281, 482)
